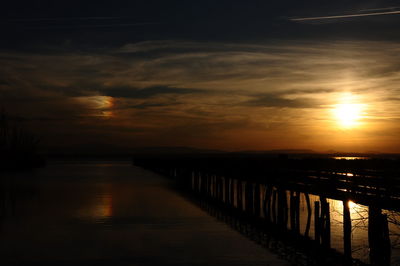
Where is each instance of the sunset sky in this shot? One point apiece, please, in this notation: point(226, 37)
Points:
point(228, 75)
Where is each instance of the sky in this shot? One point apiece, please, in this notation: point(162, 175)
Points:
point(225, 75)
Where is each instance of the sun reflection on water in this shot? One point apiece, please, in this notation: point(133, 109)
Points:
point(98, 209)
point(104, 208)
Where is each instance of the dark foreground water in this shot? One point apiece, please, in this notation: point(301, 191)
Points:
point(112, 214)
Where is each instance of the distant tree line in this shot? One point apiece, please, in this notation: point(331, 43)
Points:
point(18, 146)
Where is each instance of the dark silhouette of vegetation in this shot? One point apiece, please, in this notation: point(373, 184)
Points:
point(18, 147)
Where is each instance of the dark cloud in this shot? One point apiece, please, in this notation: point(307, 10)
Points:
point(270, 100)
point(93, 25)
point(4, 82)
point(150, 105)
point(143, 93)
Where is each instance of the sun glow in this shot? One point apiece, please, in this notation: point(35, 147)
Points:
point(351, 204)
point(348, 112)
point(98, 105)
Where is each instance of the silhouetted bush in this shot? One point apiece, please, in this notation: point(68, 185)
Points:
point(18, 147)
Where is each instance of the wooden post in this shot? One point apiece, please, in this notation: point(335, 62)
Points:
point(193, 180)
point(209, 180)
point(273, 206)
point(285, 210)
point(257, 200)
point(226, 181)
point(387, 248)
point(267, 203)
point(216, 188)
point(239, 195)
point(292, 212)
point(327, 226)
point(317, 235)
point(282, 209)
point(215, 181)
point(203, 189)
point(232, 189)
point(378, 237)
point(243, 196)
point(297, 214)
point(210, 186)
point(325, 223)
point(213, 186)
point(249, 198)
point(347, 232)
point(221, 189)
point(309, 214)
point(197, 180)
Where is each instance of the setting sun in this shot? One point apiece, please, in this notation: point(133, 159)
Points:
point(348, 112)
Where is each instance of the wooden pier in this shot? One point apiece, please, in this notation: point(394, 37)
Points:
point(267, 193)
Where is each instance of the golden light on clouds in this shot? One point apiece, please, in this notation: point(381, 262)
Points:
point(217, 95)
point(98, 105)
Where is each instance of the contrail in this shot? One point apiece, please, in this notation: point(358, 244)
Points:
point(347, 16)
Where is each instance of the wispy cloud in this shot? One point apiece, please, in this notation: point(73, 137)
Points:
point(281, 102)
point(129, 92)
point(172, 92)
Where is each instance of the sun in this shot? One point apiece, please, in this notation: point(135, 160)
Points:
point(348, 112)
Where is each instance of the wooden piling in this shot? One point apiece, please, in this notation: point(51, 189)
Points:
point(249, 198)
point(309, 214)
point(378, 237)
point(297, 213)
point(267, 203)
point(292, 212)
point(325, 223)
point(282, 209)
point(257, 199)
point(317, 235)
point(209, 185)
point(347, 232)
point(274, 206)
point(239, 195)
point(226, 190)
point(232, 192)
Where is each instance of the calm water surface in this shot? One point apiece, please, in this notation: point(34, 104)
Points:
point(112, 214)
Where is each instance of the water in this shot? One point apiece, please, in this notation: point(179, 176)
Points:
point(112, 214)
point(351, 158)
point(359, 235)
point(359, 217)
